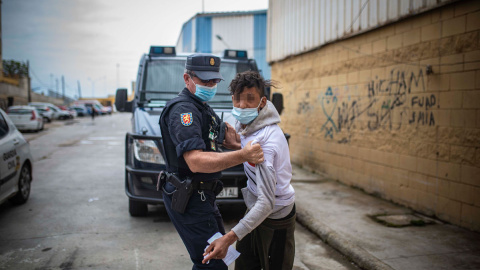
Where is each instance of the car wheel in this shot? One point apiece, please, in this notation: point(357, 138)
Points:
point(49, 120)
point(137, 209)
point(23, 186)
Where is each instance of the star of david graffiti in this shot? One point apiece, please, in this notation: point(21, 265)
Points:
point(329, 125)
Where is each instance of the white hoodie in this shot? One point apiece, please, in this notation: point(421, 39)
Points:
point(268, 193)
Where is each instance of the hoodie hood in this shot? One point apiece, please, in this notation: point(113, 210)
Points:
point(266, 117)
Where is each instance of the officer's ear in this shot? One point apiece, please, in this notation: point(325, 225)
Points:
point(186, 78)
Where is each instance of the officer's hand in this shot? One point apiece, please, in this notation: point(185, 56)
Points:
point(232, 139)
point(253, 153)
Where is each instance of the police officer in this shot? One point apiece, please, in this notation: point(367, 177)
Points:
point(189, 129)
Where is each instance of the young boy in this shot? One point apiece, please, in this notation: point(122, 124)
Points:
point(266, 233)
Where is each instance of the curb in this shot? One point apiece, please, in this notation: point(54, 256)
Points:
point(355, 253)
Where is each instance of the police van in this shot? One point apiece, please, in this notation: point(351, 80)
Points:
point(159, 79)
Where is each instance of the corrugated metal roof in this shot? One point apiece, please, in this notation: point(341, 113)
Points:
point(231, 13)
point(296, 27)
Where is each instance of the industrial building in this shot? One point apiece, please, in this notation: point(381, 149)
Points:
point(215, 32)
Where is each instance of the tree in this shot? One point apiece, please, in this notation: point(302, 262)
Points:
point(14, 69)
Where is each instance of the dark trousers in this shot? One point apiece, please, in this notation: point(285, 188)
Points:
point(201, 220)
point(270, 246)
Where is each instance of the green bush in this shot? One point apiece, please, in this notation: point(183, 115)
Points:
point(14, 69)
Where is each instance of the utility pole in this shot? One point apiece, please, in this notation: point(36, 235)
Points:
point(79, 90)
point(29, 82)
point(63, 89)
point(56, 87)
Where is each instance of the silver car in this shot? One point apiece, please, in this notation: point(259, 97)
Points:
point(57, 112)
point(16, 166)
point(44, 110)
point(26, 118)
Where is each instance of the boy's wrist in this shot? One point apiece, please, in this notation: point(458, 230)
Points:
point(232, 237)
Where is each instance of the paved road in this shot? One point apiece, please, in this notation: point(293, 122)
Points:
point(77, 215)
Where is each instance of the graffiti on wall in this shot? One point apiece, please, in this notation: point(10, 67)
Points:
point(389, 104)
point(329, 109)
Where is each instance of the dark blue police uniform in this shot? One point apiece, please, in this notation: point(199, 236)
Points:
point(186, 124)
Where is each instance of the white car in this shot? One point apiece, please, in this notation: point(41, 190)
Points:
point(57, 112)
point(44, 110)
point(16, 165)
point(26, 118)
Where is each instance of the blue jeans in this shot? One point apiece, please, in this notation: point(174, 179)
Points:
point(201, 220)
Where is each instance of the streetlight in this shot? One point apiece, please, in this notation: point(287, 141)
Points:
point(223, 41)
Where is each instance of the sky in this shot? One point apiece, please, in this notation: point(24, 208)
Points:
point(96, 42)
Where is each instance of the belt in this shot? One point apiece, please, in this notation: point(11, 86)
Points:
point(196, 184)
point(205, 185)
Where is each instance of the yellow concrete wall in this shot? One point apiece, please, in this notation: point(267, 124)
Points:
point(364, 111)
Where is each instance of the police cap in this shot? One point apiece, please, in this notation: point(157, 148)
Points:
point(206, 66)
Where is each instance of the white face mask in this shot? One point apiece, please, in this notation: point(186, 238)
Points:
point(247, 115)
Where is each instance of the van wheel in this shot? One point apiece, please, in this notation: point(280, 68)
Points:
point(23, 186)
point(137, 209)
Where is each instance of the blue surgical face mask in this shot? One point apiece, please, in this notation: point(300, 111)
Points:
point(247, 115)
point(204, 93)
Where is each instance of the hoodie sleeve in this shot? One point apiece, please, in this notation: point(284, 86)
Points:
point(266, 183)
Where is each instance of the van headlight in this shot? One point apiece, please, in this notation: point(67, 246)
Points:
point(147, 151)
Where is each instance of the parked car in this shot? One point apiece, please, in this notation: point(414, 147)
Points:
point(44, 110)
point(96, 109)
point(57, 112)
point(16, 168)
point(26, 118)
point(108, 109)
point(80, 109)
point(72, 112)
point(89, 103)
point(105, 110)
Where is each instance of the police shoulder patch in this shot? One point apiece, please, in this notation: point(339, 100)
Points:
point(186, 119)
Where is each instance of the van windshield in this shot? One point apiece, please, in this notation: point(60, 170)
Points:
point(163, 81)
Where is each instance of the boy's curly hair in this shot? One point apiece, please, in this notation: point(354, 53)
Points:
point(249, 79)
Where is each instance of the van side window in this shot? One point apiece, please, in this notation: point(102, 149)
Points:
point(3, 126)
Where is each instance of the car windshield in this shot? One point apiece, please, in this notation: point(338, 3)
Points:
point(163, 81)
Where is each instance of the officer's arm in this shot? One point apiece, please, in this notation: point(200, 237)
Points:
point(199, 161)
